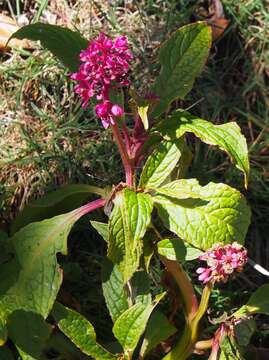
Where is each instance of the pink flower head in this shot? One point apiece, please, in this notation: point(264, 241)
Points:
point(222, 261)
point(107, 111)
point(104, 65)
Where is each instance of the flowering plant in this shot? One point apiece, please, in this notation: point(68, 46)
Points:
point(154, 216)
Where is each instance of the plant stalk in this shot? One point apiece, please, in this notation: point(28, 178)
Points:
point(91, 206)
point(124, 156)
point(186, 344)
point(185, 286)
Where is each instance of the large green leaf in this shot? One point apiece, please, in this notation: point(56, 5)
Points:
point(81, 332)
point(160, 163)
point(127, 226)
point(175, 249)
point(227, 137)
point(64, 43)
point(182, 58)
point(132, 323)
point(113, 289)
point(31, 280)
point(55, 203)
point(179, 189)
point(157, 330)
point(29, 332)
point(219, 215)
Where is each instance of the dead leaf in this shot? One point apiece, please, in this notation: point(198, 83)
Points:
point(8, 27)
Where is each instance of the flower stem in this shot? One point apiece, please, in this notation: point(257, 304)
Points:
point(124, 156)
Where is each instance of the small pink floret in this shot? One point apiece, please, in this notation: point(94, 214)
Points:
point(104, 65)
point(222, 261)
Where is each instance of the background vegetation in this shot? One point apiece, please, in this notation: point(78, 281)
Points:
point(47, 140)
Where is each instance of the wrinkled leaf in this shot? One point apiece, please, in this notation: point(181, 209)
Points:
point(113, 289)
point(102, 229)
point(80, 331)
point(64, 43)
point(180, 189)
point(175, 249)
point(219, 215)
point(160, 164)
point(130, 326)
point(182, 58)
point(227, 137)
point(54, 203)
point(127, 226)
point(157, 330)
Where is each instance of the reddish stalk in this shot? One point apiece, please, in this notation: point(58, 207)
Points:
point(124, 156)
point(126, 137)
point(93, 205)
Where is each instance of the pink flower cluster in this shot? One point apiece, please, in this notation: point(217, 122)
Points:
point(222, 261)
point(105, 65)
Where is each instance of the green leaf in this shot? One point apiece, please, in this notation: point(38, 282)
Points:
point(31, 280)
point(64, 43)
point(140, 285)
point(29, 332)
point(102, 229)
point(160, 163)
point(55, 203)
point(80, 331)
point(259, 301)
point(229, 349)
point(182, 58)
point(219, 215)
point(127, 226)
point(157, 330)
point(227, 137)
point(130, 326)
point(244, 330)
point(148, 252)
point(113, 289)
point(175, 249)
point(179, 189)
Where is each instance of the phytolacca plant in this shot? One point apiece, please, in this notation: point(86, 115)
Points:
point(190, 222)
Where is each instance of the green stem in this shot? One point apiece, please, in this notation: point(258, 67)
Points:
point(124, 156)
point(186, 344)
point(185, 286)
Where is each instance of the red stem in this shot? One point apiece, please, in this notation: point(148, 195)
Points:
point(93, 205)
point(124, 156)
point(126, 137)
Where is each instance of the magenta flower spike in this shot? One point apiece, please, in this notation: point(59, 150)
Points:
point(104, 65)
point(222, 262)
